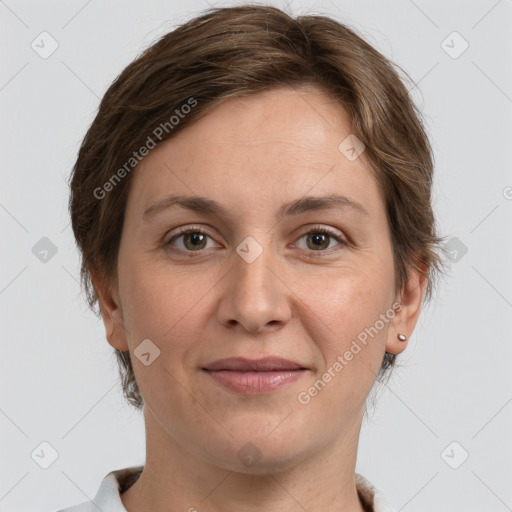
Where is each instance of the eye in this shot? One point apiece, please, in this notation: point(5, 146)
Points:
point(194, 239)
point(318, 239)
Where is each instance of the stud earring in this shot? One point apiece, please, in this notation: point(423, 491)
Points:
point(402, 337)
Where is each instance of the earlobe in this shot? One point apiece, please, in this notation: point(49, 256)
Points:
point(111, 313)
point(406, 316)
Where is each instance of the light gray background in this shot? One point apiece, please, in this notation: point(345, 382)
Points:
point(58, 373)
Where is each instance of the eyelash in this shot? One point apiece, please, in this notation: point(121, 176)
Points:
point(315, 229)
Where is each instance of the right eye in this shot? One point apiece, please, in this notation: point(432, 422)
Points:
point(193, 240)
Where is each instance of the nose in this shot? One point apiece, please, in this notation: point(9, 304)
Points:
point(255, 296)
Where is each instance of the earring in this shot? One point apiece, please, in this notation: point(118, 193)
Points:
point(402, 337)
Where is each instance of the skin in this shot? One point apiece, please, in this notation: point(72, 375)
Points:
point(252, 155)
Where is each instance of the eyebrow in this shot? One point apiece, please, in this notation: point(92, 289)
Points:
point(208, 206)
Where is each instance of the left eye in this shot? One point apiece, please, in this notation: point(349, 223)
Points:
point(319, 239)
point(194, 240)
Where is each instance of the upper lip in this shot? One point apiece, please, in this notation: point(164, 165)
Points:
point(266, 364)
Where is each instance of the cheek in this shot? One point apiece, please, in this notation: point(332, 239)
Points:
point(342, 324)
point(349, 337)
point(346, 314)
point(163, 308)
point(159, 304)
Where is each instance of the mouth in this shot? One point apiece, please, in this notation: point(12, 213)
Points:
point(255, 376)
point(266, 364)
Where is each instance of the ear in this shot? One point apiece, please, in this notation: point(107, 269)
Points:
point(408, 311)
point(111, 312)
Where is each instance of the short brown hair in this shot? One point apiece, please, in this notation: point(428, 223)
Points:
point(239, 51)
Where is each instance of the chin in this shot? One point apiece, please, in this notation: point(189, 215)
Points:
point(260, 454)
point(253, 461)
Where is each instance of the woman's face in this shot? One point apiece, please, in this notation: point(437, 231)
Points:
point(258, 278)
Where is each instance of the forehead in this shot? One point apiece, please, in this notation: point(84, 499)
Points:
point(256, 151)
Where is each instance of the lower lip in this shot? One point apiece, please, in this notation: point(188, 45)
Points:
point(253, 383)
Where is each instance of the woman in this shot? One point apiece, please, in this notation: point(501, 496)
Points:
point(252, 204)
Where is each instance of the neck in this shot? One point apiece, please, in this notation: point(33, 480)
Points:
point(175, 478)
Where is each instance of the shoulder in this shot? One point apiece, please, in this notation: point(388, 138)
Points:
point(372, 497)
point(108, 496)
point(86, 506)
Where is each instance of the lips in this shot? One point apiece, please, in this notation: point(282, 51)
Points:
point(255, 376)
point(266, 364)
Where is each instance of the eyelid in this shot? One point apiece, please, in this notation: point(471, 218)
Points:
point(184, 229)
point(320, 228)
